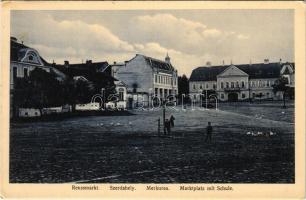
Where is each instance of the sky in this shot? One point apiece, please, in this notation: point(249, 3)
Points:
point(190, 37)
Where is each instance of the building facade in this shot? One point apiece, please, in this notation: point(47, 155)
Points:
point(23, 60)
point(240, 82)
point(145, 78)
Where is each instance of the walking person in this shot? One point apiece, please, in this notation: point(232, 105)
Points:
point(168, 126)
point(209, 130)
point(172, 121)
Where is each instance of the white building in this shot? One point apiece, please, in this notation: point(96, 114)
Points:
point(146, 77)
point(240, 82)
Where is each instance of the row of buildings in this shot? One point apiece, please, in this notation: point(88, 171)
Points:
point(241, 82)
point(142, 77)
point(136, 80)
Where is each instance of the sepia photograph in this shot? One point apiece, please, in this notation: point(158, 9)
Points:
point(152, 96)
point(152, 99)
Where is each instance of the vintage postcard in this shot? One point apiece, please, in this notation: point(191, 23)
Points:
point(152, 99)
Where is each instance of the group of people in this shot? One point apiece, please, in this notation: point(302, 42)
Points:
point(169, 123)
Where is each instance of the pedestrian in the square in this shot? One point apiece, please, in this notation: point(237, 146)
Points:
point(209, 130)
point(172, 121)
point(168, 126)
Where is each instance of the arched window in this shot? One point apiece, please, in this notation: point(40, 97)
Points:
point(222, 86)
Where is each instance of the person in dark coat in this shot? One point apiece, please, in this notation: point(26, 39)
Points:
point(209, 130)
point(172, 121)
point(168, 126)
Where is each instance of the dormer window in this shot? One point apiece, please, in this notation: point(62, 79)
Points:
point(31, 58)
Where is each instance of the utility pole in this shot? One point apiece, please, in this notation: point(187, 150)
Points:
point(206, 97)
point(164, 116)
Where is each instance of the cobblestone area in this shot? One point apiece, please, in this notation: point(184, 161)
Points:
point(119, 149)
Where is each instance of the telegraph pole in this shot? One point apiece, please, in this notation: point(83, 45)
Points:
point(164, 116)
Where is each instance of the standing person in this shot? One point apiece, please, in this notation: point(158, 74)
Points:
point(209, 130)
point(172, 121)
point(168, 126)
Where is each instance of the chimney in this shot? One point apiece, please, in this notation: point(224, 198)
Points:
point(266, 61)
point(66, 63)
point(280, 61)
point(208, 63)
point(115, 62)
point(223, 62)
point(88, 61)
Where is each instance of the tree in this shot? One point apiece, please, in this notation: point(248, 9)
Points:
point(40, 89)
point(281, 85)
point(183, 87)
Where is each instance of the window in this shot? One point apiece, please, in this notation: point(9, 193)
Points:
point(232, 84)
point(31, 58)
point(156, 91)
point(206, 85)
point(155, 78)
point(25, 72)
point(227, 85)
point(222, 96)
point(222, 86)
point(253, 95)
point(268, 94)
point(259, 84)
point(26, 113)
point(242, 84)
point(171, 79)
point(194, 86)
point(158, 79)
point(201, 86)
point(121, 94)
point(237, 84)
point(253, 84)
point(243, 95)
point(268, 83)
point(214, 86)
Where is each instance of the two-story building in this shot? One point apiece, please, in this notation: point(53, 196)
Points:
point(240, 82)
point(145, 78)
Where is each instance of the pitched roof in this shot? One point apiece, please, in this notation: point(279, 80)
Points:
point(17, 53)
point(98, 66)
point(159, 64)
point(87, 72)
point(15, 48)
point(206, 73)
point(255, 71)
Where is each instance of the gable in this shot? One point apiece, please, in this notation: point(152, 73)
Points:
point(30, 56)
point(232, 71)
point(286, 69)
